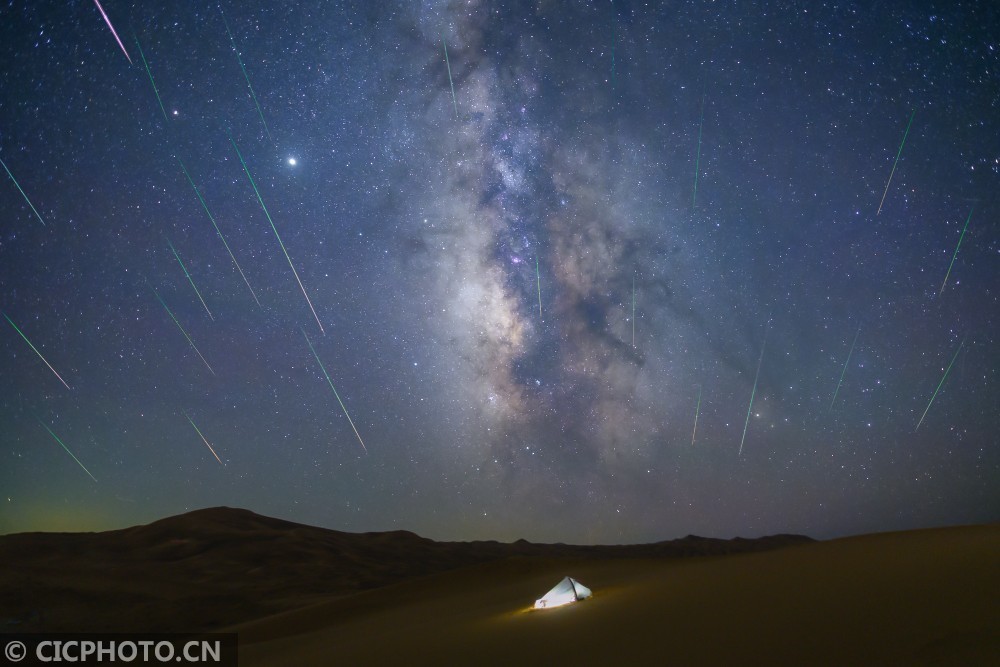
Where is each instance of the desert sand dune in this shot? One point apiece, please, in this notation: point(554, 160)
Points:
point(219, 566)
point(301, 595)
point(913, 598)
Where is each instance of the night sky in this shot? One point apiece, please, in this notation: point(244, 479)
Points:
point(610, 272)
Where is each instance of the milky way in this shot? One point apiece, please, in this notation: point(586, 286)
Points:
point(522, 301)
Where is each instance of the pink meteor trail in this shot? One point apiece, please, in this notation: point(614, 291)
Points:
point(113, 31)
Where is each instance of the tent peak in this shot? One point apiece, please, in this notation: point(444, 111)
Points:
point(566, 591)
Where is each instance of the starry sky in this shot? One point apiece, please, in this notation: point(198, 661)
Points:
point(571, 271)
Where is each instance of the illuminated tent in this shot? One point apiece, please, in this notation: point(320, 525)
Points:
point(566, 591)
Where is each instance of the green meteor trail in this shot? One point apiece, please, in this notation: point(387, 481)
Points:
point(169, 312)
point(697, 411)
point(35, 349)
point(277, 236)
point(614, 43)
point(190, 279)
point(943, 377)
point(898, 153)
point(697, 159)
point(633, 311)
point(330, 382)
point(66, 448)
point(845, 367)
point(956, 251)
point(18, 186)
point(151, 78)
point(538, 281)
point(245, 75)
point(754, 392)
point(450, 82)
point(204, 439)
point(218, 231)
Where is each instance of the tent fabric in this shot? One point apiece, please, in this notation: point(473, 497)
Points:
point(566, 591)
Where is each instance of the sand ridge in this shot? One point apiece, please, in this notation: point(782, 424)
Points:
point(220, 566)
point(912, 598)
point(303, 595)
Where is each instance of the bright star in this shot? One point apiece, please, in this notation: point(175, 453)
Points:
point(292, 161)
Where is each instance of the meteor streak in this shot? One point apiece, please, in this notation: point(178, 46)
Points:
point(36, 350)
point(956, 251)
point(697, 159)
point(633, 311)
point(113, 31)
point(66, 448)
point(943, 377)
point(277, 236)
point(697, 410)
point(754, 392)
point(450, 82)
point(327, 375)
point(245, 75)
point(898, 153)
point(190, 279)
point(169, 312)
point(614, 43)
point(18, 186)
point(538, 281)
point(204, 439)
point(155, 90)
point(845, 367)
point(218, 231)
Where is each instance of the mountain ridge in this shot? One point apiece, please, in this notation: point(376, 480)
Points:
point(170, 567)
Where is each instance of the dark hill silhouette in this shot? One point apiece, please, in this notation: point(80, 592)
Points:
point(220, 566)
